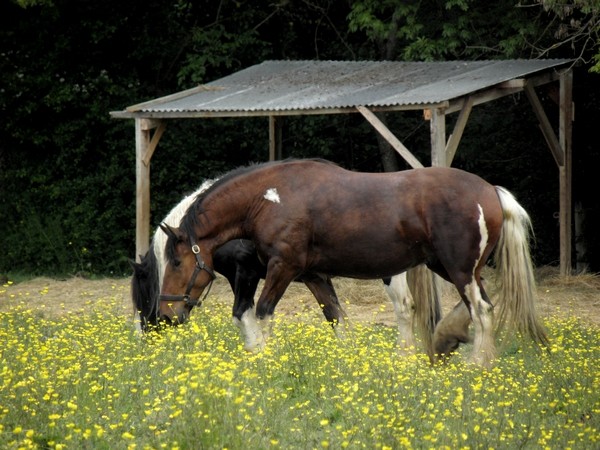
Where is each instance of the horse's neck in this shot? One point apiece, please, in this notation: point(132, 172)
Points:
point(223, 224)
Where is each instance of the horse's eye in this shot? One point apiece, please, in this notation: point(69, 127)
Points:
point(176, 263)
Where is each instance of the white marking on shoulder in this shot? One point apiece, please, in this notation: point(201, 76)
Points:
point(272, 195)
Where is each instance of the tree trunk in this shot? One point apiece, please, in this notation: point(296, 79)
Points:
point(389, 158)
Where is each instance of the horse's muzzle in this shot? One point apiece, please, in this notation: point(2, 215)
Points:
point(175, 320)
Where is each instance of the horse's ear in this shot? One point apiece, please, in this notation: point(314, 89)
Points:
point(169, 231)
point(134, 265)
point(139, 270)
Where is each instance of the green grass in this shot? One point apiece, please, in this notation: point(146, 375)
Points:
point(88, 381)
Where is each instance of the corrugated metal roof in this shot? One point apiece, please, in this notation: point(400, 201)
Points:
point(321, 85)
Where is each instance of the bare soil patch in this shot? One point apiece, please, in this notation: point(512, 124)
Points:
point(364, 301)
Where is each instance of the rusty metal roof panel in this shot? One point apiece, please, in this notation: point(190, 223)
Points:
point(315, 85)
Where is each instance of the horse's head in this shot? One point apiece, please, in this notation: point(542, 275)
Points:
point(144, 290)
point(185, 278)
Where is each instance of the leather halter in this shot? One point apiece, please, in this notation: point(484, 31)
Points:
point(200, 266)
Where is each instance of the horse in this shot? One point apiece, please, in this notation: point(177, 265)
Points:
point(238, 261)
point(313, 216)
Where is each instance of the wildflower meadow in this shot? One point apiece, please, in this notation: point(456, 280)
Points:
point(88, 380)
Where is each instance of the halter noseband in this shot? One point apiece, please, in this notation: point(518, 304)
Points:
point(200, 266)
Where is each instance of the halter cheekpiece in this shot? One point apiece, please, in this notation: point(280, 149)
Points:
point(200, 266)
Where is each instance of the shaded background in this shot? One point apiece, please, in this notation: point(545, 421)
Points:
point(67, 170)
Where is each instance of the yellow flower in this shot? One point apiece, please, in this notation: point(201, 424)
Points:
point(127, 435)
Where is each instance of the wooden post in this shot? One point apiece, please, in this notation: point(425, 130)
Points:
point(142, 188)
point(565, 181)
point(437, 128)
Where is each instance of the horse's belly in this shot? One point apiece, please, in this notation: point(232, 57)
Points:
point(367, 259)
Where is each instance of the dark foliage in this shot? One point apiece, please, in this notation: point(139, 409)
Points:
point(67, 170)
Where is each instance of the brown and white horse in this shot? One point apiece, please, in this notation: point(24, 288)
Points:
point(314, 217)
point(238, 262)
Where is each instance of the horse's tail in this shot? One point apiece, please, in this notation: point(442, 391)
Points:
point(517, 295)
point(145, 289)
point(426, 289)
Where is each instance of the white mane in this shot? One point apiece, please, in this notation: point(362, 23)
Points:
point(172, 219)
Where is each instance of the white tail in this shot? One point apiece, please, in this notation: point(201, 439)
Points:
point(426, 288)
point(517, 296)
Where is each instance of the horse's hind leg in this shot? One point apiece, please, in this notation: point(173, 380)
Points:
point(452, 331)
point(323, 290)
point(397, 290)
point(482, 314)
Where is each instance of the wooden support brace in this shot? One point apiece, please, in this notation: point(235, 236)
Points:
point(154, 142)
point(545, 126)
point(459, 128)
point(389, 136)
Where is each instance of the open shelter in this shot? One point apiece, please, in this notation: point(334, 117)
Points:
point(275, 89)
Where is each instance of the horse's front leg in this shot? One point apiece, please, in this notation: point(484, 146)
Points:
point(279, 276)
point(244, 287)
point(323, 290)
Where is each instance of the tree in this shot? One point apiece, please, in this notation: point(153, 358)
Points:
point(66, 169)
point(574, 24)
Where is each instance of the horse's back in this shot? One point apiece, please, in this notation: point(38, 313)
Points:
point(410, 196)
point(429, 184)
point(345, 218)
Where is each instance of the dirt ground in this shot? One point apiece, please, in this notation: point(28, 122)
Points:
point(364, 301)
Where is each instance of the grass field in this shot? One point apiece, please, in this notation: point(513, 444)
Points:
point(74, 374)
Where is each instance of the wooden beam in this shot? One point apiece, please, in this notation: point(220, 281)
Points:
point(266, 113)
point(142, 191)
point(149, 124)
point(171, 97)
point(459, 128)
point(437, 128)
point(389, 136)
point(544, 78)
point(545, 126)
point(565, 172)
point(503, 89)
point(514, 83)
point(154, 142)
point(486, 96)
